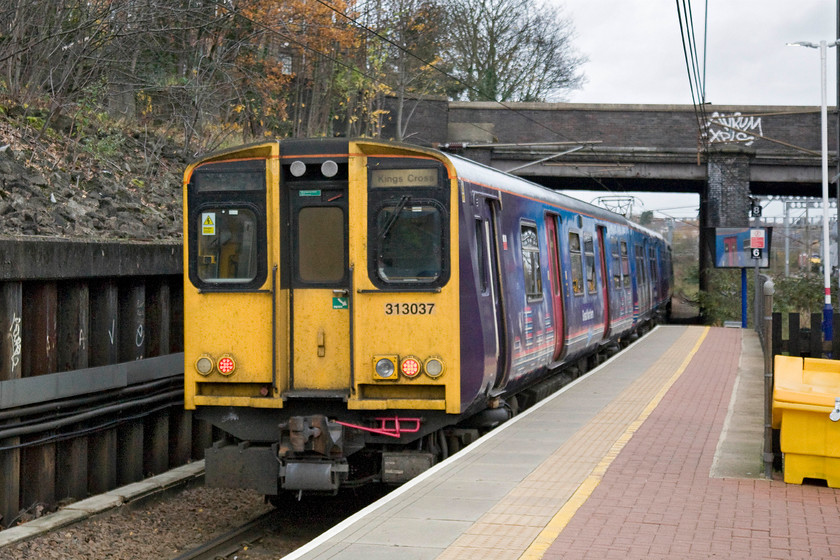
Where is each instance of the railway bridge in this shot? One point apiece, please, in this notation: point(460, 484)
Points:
point(726, 154)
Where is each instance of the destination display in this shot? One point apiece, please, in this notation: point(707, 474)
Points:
point(381, 178)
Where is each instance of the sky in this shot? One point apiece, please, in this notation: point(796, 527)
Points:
point(635, 55)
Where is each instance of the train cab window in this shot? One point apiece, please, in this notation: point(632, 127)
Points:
point(589, 252)
point(227, 249)
point(577, 263)
point(531, 261)
point(410, 242)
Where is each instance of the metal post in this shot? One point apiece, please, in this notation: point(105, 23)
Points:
point(787, 236)
point(769, 290)
point(828, 313)
point(743, 298)
point(756, 283)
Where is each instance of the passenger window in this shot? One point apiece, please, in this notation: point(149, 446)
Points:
point(641, 274)
point(320, 244)
point(410, 243)
point(625, 265)
point(577, 263)
point(616, 263)
point(654, 270)
point(589, 251)
point(531, 261)
point(227, 249)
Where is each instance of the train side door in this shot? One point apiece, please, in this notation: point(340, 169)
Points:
point(605, 282)
point(490, 277)
point(552, 224)
point(320, 294)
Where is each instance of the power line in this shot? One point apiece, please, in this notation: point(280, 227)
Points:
point(689, 44)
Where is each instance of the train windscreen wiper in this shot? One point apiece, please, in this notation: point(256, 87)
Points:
point(400, 205)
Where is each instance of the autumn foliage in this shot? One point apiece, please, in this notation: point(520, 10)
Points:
point(220, 72)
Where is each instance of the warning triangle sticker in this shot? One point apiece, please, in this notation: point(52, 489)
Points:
point(208, 221)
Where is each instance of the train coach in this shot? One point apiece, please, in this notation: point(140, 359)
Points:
point(355, 310)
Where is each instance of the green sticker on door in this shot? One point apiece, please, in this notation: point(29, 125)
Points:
point(340, 303)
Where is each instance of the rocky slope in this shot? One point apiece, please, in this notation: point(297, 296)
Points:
point(53, 185)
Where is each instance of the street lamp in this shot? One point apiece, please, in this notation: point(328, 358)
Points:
point(827, 311)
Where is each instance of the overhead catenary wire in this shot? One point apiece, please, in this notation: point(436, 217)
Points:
point(696, 85)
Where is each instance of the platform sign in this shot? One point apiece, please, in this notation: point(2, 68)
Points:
point(756, 238)
point(742, 247)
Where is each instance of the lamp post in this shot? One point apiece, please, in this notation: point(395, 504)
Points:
point(828, 314)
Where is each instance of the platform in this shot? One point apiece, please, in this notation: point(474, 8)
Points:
point(655, 454)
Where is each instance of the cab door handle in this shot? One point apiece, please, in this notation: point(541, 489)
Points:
point(322, 347)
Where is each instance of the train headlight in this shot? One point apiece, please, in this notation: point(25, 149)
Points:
point(410, 367)
point(329, 168)
point(226, 365)
point(385, 368)
point(433, 367)
point(298, 168)
point(204, 364)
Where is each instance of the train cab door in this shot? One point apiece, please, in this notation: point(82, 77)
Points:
point(552, 224)
point(605, 283)
point(490, 299)
point(319, 295)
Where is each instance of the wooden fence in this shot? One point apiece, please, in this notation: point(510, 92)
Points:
point(805, 341)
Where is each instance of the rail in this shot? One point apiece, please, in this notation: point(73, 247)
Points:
point(233, 541)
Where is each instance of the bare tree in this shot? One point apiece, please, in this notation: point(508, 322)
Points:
point(512, 50)
point(413, 42)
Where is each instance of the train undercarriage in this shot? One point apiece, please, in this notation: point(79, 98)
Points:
point(319, 454)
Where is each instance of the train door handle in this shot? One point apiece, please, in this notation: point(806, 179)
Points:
point(322, 348)
point(342, 292)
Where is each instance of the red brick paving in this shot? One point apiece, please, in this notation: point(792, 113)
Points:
point(657, 500)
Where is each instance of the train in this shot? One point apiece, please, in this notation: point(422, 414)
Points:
point(357, 310)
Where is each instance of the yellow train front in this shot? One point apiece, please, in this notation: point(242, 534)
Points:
point(321, 311)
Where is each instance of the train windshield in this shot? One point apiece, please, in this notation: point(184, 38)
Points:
point(410, 242)
point(227, 251)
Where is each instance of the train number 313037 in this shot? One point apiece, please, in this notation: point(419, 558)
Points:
point(409, 308)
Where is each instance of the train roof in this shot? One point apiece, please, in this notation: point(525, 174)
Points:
point(483, 174)
point(466, 169)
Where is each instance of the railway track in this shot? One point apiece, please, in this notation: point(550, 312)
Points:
point(235, 540)
point(282, 530)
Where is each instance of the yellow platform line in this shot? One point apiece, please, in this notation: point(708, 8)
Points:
point(554, 527)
